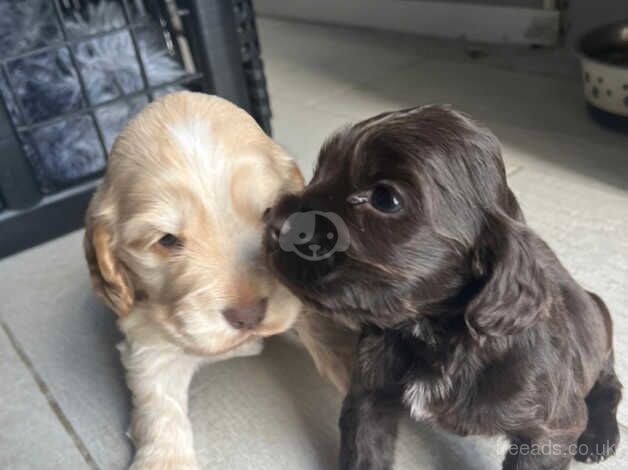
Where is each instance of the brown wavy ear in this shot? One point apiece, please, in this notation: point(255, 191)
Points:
point(514, 293)
point(110, 279)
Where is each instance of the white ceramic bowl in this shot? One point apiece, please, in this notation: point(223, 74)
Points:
point(604, 58)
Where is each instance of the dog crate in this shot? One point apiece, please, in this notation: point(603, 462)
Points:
point(72, 72)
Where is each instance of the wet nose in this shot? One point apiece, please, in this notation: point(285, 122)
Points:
point(246, 317)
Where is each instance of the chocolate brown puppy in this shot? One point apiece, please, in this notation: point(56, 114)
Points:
point(466, 317)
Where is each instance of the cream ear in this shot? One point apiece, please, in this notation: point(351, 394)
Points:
point(109, 277)
point(289, 169)
point(296, 177)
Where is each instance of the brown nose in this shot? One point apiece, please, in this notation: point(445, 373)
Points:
point(246, 317)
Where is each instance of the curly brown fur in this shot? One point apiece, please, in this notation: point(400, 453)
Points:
point(467, 317)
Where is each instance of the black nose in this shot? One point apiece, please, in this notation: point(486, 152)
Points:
point(246, 317)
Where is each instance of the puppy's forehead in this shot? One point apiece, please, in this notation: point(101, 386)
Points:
point(190, 133)
point(198, 125)
point(369, 149)
point(192, 147)
point(395, 143)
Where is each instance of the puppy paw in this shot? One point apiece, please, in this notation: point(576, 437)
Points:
point(599, 441)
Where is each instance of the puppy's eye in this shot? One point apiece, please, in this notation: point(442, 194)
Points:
point(170, 241)
point(384, 199)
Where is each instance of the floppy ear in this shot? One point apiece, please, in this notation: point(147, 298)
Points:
point(514, 291)
point(296, 176)
point(289, 169)
point(109, 277)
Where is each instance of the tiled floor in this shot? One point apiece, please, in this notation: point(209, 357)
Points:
point(63, 403)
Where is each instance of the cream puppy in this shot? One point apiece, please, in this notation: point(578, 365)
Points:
point(173, 243)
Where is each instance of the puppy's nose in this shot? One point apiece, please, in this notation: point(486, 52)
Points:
point(246, 317)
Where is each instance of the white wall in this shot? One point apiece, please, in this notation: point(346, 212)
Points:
point(473, 21)
point(587, 14)
point(500, 3)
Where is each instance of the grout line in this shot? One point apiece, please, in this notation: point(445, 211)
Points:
point(54, 406)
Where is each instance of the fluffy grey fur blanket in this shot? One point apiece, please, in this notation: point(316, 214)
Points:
point(46, 84)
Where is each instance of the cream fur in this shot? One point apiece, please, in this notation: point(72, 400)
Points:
point(199, 168)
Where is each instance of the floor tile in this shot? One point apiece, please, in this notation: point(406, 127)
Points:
point(265, 412)
point(585, 222)
point(297, 40)
point(492, 95)
point(301, 130)
point(306, 62)
point(550, 134)
point(290, 419)
point(274, 412)
point(31, 435)
point(70, 338)
point(547, 61)
point(576, 156)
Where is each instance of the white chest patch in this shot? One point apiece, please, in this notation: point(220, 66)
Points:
point(415, 397)
point(420, 394)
